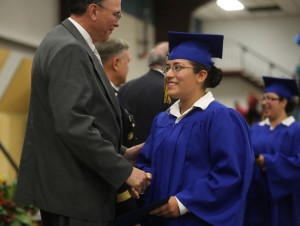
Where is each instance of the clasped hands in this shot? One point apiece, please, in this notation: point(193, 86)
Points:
point(142, 180)
point(139, 181)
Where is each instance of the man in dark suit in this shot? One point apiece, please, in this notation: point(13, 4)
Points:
point(72, 164)
point(144, 96)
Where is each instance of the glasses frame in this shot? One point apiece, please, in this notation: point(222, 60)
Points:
point(175, 68)
point(269, 99)
point(117, 15)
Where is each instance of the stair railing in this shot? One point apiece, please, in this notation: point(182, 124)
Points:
point(237, 56)
point(9, 158)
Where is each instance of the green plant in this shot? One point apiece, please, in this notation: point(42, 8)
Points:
point(11, 213)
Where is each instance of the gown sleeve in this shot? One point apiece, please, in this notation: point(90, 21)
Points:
point(282, 168)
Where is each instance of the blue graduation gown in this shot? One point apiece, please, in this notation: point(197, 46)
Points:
point(274, 194)
point(205, 160)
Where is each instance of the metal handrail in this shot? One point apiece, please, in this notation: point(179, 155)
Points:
point(241, 57)
point(9, 158)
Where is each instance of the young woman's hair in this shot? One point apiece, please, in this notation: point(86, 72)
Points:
point(214, 74)
point(290, 106)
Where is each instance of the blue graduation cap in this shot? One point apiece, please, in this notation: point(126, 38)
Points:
point(286, 88)
point(199, 48)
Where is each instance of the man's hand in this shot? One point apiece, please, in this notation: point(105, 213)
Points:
point(170, 209)
point(132, 153)
point(139, 181)
point(134, 193)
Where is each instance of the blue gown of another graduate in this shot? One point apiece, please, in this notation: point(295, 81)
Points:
point(274, 194)
point(205, 160)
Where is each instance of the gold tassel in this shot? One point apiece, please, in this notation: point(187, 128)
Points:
point(167, 99)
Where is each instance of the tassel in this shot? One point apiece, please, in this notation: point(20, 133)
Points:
point(167, 99)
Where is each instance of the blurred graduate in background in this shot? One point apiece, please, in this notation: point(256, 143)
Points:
point(274, 195)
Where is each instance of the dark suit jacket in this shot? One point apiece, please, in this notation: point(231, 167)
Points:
point(71, 163)
point(144, 98)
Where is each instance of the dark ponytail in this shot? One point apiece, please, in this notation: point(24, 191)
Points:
point(214, 74)
point(291, 105)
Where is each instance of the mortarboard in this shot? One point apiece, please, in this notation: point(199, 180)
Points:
point(199, 48)
point(286, 88)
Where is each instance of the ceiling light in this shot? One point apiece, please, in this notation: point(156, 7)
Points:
point(230, 5)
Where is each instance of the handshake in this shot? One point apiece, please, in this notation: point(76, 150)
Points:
point(139, 181)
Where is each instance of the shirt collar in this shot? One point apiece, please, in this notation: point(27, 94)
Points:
point(116, 88)
point(202, 103)
point(287, 121)
point(159, 70)
point(84, 33)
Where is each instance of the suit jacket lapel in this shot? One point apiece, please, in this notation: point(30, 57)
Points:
point(101, 74)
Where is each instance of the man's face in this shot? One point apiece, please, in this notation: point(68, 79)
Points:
point(123, 66)
point(107, 16)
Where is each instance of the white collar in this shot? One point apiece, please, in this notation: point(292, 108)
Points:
point(84, 33)
point(202, 103)
point(287, 121)
point(114, 86)
point(159, 70)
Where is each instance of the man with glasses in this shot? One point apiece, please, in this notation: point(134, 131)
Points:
point(72, 163)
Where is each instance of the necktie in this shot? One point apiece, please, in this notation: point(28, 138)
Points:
point(98, 56)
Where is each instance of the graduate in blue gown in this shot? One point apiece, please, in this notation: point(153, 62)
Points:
point(274, 194)
point(198, 151)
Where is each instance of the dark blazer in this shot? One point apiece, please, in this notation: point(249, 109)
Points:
point(71, 163)
point(144, 98)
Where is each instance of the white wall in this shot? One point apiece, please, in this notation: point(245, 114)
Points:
point(131, 30)
point(232, 89)
point(272, 37)
point(27, 21)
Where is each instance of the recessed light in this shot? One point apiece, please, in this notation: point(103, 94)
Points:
point(230, 5)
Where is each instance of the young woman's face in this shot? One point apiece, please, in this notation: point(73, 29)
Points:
point(182, 83)
point(272, 106)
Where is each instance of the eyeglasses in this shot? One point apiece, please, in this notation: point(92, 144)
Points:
point(270, 99)
point(175, 68)
point(117, 15)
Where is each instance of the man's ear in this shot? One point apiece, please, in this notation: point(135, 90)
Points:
point(115, 63)
point(92, 11)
